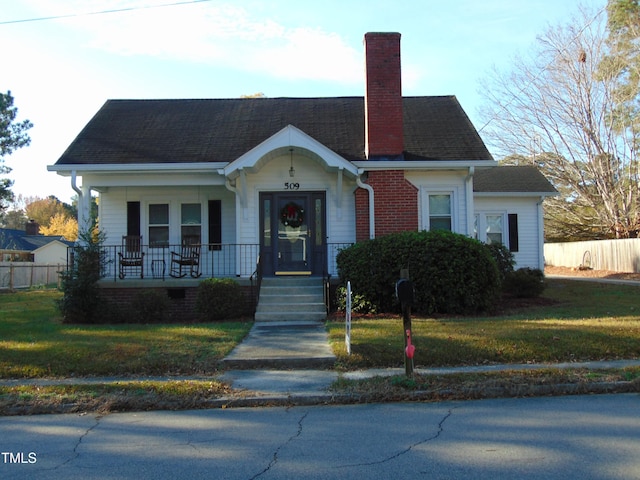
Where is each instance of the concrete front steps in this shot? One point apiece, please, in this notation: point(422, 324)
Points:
point(291, 299)
point(288, 331)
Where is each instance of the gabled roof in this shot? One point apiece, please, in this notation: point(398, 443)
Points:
point(222, 130)
point(512, 179)
point(18, 240)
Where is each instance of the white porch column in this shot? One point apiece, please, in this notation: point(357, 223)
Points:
point(540, 219)
point(84, 209)
point(469, 201)
point(84, 203)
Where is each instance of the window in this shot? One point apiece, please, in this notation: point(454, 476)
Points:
point(191, 221)
point(491, 228)
point(494, 229)
point(158, 225)
point(440, 211)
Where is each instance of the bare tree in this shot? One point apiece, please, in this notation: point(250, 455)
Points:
point(557, 109)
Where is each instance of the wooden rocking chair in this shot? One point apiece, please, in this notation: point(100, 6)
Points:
point(188, 259)
point(131, 255)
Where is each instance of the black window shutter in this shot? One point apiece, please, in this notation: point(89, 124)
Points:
point(215, 224)
point(133, 218)
point(513, 232)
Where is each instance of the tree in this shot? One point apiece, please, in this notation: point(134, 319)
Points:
point(15, 219)
point(623, 26)
point(43, 210)
point(561, 110)
point(62, 225)
point(13, 135)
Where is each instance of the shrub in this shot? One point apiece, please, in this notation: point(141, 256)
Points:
point(525, 283)
point(219, 299)
point(503, 257)
point(150, 306)
point(451, 273)
point(359, 303)
point(81, 302)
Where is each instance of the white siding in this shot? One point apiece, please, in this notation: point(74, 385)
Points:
point(113, 221)
point(441, 182)
point(113, 210)
point(51, 253)
point(529, 241)
point(310, 176)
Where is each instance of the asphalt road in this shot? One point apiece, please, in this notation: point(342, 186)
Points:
point(580, 437)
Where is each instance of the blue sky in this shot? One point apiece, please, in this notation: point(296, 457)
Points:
point(60, 71)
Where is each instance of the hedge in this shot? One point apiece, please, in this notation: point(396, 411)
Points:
point(451, 273)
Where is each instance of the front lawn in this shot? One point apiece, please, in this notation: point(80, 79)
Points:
point(35, 343)
point(575, 321)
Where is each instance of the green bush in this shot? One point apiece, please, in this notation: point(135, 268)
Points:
point(451, 273)
point(359, 303)
point(150, 306)
point(503, 257)
point(82, 302)
point(525, 283)
point(219, 299)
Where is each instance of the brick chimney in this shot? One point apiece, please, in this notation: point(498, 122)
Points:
point(32, 228)
point(383, 97)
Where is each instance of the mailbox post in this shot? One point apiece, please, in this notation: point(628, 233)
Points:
point(404, 292)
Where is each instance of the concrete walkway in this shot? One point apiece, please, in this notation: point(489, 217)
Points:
point(283, 345)
point(310, 385)
point(305, 384)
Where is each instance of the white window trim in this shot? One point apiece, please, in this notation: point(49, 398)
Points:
point(426, 191)
point(175, 217)
point(481, 218)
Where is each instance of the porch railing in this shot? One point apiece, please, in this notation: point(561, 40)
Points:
point(216, 260)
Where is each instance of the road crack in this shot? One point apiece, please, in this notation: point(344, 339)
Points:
point(274, 459)
point(76, 454)
point(406, 450)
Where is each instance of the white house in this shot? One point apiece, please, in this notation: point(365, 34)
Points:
point(292, 180)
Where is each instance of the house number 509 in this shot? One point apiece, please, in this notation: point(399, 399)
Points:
point(291, 186)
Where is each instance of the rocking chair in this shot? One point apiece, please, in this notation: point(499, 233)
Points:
point(131, 255)
point(188, 259)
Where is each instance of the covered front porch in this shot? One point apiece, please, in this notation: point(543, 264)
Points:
point(151, 263)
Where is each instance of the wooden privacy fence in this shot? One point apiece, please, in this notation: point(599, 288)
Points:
point(27, 274)
point(621, 255)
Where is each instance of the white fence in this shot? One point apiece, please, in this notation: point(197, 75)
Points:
point(28, 274)
point(616, 255)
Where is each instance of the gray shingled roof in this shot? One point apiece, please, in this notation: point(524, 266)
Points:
point(510, 179)
point(12, 239)
point(221, 130)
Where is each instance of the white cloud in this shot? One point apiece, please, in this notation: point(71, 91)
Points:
point(213, 33)
point(310, 54)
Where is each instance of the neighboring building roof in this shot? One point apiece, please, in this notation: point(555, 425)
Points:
point(18, 240)
point(512, 179)
point(221, 130)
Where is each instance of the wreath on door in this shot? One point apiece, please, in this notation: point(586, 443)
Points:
point(292, 215)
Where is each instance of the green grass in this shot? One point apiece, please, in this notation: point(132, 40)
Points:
point(578, 321)
point(581, 321)
point(514, 383)
point(112, 397)
point(35, 343)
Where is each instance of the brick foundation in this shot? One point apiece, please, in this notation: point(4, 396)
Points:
point(182, 299)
